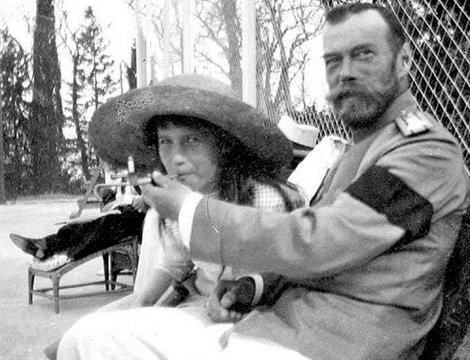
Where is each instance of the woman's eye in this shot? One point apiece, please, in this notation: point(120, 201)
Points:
point(164, 142)
point(192, 140)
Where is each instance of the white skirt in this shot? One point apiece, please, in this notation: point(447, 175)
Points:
point(181, 333)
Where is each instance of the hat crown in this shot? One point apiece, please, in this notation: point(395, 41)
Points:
point(200, 82)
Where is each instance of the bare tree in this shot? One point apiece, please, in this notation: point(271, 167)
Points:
point(73, 47)
point(91, 74)
point(99, 62)
point(283, 29)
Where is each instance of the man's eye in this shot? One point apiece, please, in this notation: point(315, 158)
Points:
point(331, 62)
point(363, 54)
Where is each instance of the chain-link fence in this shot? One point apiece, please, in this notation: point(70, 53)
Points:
point(439, 35)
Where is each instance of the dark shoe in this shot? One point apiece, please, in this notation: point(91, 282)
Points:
point(28, 245)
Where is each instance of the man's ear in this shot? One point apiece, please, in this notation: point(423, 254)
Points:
point(403, 61)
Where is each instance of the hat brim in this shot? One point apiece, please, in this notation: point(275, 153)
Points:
point(117, 127)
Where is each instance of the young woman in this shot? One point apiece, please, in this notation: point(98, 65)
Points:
point(218, 146)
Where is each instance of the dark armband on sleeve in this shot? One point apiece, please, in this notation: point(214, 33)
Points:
point(389, 195)
point(274, 286)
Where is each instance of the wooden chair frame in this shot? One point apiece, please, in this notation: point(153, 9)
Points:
point(131, 244)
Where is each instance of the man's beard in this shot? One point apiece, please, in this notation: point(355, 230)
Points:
point(357, 107)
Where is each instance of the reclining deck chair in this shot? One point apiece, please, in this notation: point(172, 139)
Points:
point(127, 247)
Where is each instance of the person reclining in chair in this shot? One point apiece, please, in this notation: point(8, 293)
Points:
point(78, 239)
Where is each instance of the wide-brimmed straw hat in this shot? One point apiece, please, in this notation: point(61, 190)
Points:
point(117, 128)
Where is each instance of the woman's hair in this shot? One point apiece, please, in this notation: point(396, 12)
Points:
point(238, 167)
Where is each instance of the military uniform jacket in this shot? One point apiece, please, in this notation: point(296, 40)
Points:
point(365, 264)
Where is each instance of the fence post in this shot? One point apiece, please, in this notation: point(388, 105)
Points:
point(140, 49)
point(187, 37)
point(166, 39)
point(248, 22)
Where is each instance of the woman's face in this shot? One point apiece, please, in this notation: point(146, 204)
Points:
point(190, 155)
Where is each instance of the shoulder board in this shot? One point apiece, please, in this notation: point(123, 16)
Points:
point(413, 123)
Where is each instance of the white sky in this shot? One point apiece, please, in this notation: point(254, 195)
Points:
point(115, 16)
point(118, 22)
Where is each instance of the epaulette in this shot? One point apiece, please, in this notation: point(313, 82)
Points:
point(413, 122)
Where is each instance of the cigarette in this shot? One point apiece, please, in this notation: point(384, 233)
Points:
point(142, 181)
point(146, 180)
point(130, 165)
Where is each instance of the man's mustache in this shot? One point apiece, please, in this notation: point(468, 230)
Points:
point(346, 91)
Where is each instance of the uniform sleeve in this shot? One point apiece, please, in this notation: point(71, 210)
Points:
point(268, 286)
point(395, 199)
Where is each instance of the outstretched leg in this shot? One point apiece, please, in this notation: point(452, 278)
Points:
point(40, 248)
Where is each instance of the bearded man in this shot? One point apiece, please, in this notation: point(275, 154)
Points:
point(359, 272)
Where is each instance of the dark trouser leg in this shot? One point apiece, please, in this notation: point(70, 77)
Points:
point(107, 231)
point(53, 244)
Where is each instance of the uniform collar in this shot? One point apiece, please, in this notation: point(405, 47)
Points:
point(404, 101)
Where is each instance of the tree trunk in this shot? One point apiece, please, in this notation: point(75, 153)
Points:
point(45, 127)
point(76, 119)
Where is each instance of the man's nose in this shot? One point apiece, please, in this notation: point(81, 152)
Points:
point(346, 70)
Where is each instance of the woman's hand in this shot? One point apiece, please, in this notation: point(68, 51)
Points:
point(166, 196)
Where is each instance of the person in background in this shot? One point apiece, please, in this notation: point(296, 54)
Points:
point(312, 161)
point(359, 273)
point(302, 136)
point(81, 238)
